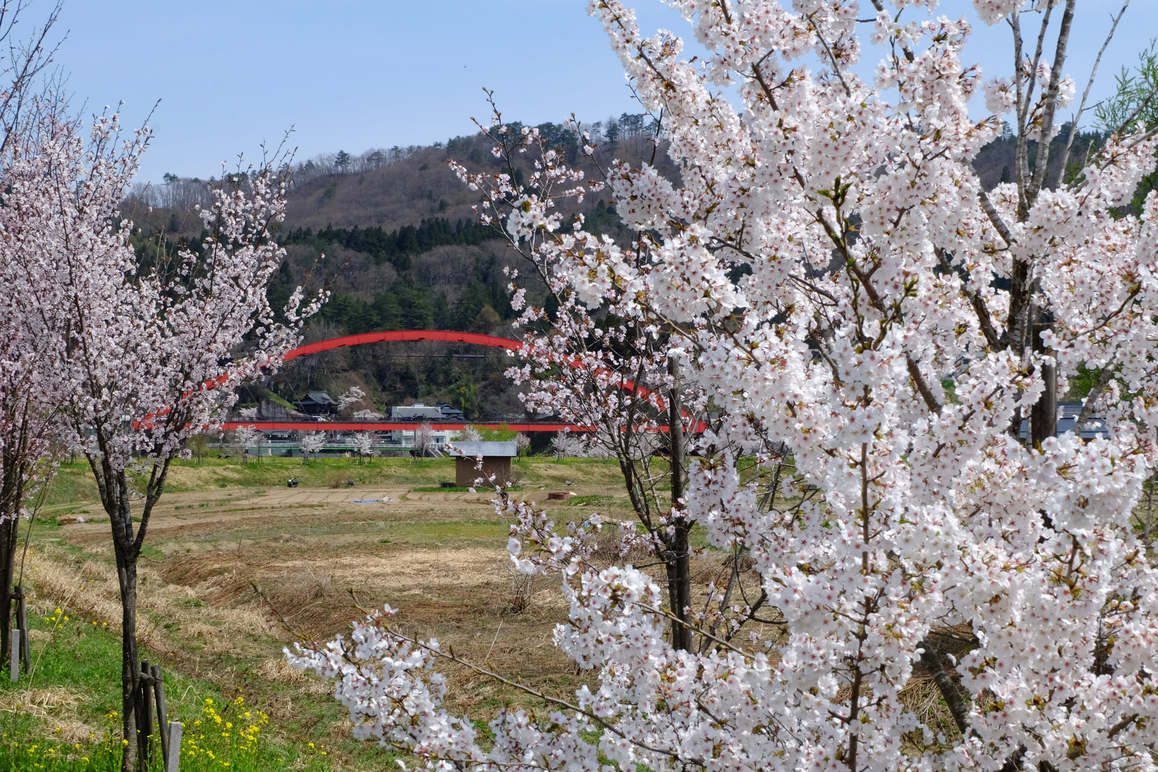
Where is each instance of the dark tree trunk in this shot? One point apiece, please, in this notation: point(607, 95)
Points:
point(116, 499)
point(11, 496)
point(8, 538)
point(130, 681)
point(679, 585)
point(1043, 416)
point(677, 561)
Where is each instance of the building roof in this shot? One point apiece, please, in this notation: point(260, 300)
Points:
point(1067, 418)
point(417, 410)
point(321, 397)
point(504, 449)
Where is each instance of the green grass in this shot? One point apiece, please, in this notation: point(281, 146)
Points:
point(278, 399)
point(73, 484)
point(80, 659)
point(73, 489)
point(496, 434)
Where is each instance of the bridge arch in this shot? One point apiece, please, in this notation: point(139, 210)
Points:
point(397, 336)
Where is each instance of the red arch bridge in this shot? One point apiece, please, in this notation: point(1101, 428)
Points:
point(397, 336)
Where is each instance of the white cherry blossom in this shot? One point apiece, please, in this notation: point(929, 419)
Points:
point(830, 280)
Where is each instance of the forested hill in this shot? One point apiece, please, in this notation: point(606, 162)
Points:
point(392, 235)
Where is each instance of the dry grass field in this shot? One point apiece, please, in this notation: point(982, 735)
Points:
point(237, 566)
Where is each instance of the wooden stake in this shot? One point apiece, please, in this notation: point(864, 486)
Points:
point(26, 647)
point(140, 714)
point(14, 650)
point(159, 693)
point(173, 760)
point(145, 727)
point(25, 638)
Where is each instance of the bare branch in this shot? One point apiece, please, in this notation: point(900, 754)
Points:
point(1065, 157)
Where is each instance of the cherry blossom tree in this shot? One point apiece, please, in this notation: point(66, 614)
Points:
point(28, 432)
point(829, 278)
point(604, 368)
point(147, 355)
point(570, 445)
point(423, 439)
point(364, 445)
point(247, 437)
point(351, 397)
point(312, 444)
point(28, 392)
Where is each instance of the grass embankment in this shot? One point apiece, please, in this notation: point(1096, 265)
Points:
point(64, 713)
point(235, 560)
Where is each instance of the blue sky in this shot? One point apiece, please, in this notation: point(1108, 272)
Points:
point(354, 75)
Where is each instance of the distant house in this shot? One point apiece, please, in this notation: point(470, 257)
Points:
point(437, 440)
point(317, 403)
point(422, 412)
point(416, 412)
point(496, 461)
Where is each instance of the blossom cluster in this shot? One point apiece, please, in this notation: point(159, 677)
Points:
point(830, 280)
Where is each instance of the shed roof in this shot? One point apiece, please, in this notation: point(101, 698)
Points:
point(491, 449)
